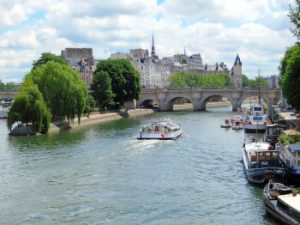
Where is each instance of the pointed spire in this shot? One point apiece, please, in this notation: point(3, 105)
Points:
point(237, 61)
point(184, 50)
point(153, 47)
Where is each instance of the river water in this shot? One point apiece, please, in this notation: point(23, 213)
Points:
point(103, 175)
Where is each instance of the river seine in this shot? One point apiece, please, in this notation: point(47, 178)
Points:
point(102, 175)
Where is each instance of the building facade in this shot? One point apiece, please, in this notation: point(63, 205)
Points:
point(155, 72)
point(236, 73)
point(82, 60)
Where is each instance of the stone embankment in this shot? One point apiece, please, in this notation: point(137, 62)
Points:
point(96, 118)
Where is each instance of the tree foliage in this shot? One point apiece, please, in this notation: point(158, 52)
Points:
point(193, 80)
point(294, 16)
point(46, 57)
point(102, 90)
point(290, 78)
point(64, 92)
point(29, 107)
point(125, 80)
point(254, 83)
point(8, 86)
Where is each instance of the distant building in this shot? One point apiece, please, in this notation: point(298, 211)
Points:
point(82, 60)
point(236, 73)
point(155, 72)
point(273, 82)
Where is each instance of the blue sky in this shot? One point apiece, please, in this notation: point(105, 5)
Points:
point(258, 30)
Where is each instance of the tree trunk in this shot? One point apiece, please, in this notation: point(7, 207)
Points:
point(297, 124)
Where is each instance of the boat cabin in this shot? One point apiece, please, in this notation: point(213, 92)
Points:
point(257, 110)
point(262, 155)
point(292, 156)
point(272, 132)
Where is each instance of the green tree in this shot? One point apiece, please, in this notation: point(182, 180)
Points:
point(29, 107)
point(2, 86)
point(290, 81)
point(245, 81)
point(64, 92)
point(125, 79)
point(193, 80)
point(102, 90)
point(46, 57)
point(294, 16)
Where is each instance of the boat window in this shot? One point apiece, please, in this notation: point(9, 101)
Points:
point(257, 109)
point(298, 163)
point(298, 154)
point(257, 118)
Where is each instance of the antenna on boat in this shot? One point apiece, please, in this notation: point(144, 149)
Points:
point(258, 71)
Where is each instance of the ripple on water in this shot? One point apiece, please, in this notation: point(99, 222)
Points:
point(103, 175)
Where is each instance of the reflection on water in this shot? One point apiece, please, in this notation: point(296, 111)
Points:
point(103, 175)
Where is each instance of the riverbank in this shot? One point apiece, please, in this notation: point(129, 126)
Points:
point(96, 118)
point(187, 106)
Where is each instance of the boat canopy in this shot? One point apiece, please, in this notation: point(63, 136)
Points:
point(165, 123)
point(294, 148)
point(257, 146)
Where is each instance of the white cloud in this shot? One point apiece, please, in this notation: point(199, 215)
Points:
point(256, 29)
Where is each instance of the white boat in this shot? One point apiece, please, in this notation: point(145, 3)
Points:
point(256, 120)
point(261, 161)
point(226, 123)
point(290, 154)
point(282, 202)
point(163, 130)
point(237, 125)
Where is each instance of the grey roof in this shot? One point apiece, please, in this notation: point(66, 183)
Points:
point(294, 147)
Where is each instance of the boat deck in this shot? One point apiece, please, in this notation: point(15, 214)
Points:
point(291, 201)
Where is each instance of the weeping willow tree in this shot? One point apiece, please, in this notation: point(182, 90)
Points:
point(29, 108)
point(65, 94)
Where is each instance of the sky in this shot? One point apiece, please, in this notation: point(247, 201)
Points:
point(257, 30)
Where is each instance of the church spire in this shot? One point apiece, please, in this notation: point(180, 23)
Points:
point(153, 47)
point(184, 52)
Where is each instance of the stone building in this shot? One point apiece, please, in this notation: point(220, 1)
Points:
point(82, 60)
point(236, 73)
point(155, 72)
point(273, 82)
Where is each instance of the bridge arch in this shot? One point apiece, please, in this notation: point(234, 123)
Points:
point(169, 102)
point(199, 96)
point(205, 99)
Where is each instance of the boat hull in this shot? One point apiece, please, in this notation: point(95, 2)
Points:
point(274, 210)
point(159, 136)
point(261, 175)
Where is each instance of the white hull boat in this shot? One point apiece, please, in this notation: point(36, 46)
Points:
point(162, 130)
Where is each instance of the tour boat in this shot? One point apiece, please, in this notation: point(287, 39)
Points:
point(226, 123)
point(256, 121)
point(163, 130)
point(282, 202)
point(261, 161)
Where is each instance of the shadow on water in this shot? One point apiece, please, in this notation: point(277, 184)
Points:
point(46, 142)
point(74, 137)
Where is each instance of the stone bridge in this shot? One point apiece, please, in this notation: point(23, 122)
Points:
point(165, 98)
